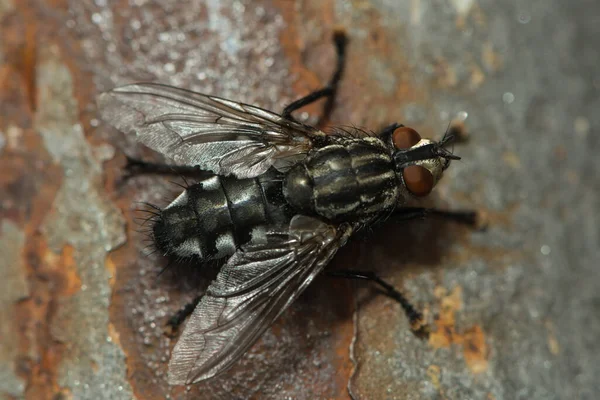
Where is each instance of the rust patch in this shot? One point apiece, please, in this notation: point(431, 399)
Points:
point(27, 189)
point(475, 349)
point(477, 76)
point(491, 59)
point(552, 341)
point(472, 339)
point(48, 281)
point(511, 159)
point(19, 34)
point(70, 282)
point(295, 47)
point(434, 373)
point(445, 74)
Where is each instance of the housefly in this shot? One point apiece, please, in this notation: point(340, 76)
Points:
point(276, 199)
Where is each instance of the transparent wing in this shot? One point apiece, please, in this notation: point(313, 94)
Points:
point(258, 282)
point(215, 134)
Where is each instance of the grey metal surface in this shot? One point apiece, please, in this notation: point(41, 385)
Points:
point(515, 309)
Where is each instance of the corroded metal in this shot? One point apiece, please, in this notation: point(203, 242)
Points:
point(513, 308)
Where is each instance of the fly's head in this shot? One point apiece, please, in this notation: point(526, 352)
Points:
point(419, 162)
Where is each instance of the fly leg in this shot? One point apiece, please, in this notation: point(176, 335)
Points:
point(177, 319)
point(471, 218)
point(340, 40)
point(140, 167)
point(135, 167)
point(418, 326)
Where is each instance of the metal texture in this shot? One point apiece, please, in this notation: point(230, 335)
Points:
point(514, 309)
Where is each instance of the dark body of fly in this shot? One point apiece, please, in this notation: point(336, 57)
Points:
point(351, 180)
point(215, 216)
point(274, 198)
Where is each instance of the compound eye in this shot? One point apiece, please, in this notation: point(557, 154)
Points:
point(418, 180)
point(405, 137)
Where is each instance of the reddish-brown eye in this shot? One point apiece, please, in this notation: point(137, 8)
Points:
point(405, 137)
point(418, 180)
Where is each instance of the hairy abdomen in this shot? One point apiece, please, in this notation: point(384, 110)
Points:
point(213, 217)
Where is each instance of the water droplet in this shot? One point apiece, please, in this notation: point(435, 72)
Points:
point(97, 18)
point(169, 67)
point(545, 249)
point(524, 18)
point(508, 97)
point(461, 116)
point(164, 37)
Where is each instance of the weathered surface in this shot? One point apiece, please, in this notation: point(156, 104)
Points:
point(515, 309)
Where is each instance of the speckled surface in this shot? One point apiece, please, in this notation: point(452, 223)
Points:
point(515, 309)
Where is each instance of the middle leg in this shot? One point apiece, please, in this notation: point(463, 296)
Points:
point(418, 326)
point(340, 40)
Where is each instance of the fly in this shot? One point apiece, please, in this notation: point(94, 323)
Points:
point(276, 199)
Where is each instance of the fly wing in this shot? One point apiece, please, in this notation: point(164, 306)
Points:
point(223, 136)
point(258, 282)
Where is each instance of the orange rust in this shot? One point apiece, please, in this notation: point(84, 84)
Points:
point(445, 322)
point(434, 373)
point(445, 74)
point(111, 267)
point(5, 71)
point(29, 183)
point(70, 282)
point(29, 62)
point(472, 340)
point(475, 350)
point(293, 47)
point(477, 76)
point(491, 59)
point(552, 342)
point(120, 328)
point(46, 280)
point(511, 159)
point(478, 16)
point(114, 334)
point(25, 58)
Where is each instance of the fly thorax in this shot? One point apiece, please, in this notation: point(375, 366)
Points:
point(298, 189)
point(348, 181)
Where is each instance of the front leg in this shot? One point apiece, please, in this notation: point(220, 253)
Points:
point(471, 218)
point(386, 132)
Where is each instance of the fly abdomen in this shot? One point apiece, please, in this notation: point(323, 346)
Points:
point(213, 217)
point(348, 181)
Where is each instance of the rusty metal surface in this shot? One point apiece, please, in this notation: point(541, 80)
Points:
point(515, 309)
